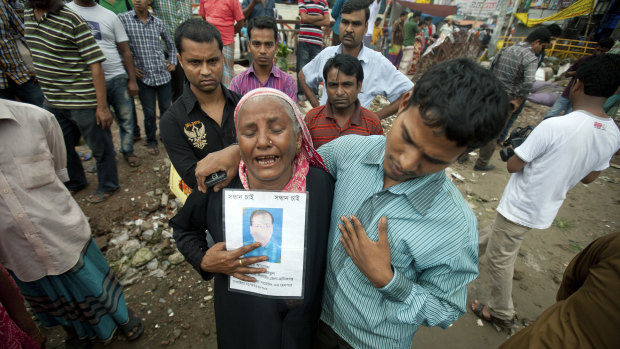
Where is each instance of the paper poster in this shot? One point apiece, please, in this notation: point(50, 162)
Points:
point(278, 221)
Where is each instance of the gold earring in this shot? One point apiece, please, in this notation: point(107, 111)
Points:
point(298, 146)
point(270, 142)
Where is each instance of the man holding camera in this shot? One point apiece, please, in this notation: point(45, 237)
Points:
point(558, 154)
point(515, 66)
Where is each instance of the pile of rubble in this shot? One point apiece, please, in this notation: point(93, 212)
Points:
point(143, 246)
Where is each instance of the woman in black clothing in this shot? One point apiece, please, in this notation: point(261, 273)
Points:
point(276, 154)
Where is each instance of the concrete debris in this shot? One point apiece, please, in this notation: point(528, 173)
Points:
point(130, 247)
point(143, 256)
point(176, 258)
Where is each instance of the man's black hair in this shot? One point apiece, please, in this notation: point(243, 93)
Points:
point(197, 30)
point(607, 43)
point(416, 14)
point(428, 18)
point(464, 100)
point(263, 22)
point(541, 34)
point(404, 13)
point(260, 213)
point(346, 64)
point(378, 19)
point(351, 6)
point(555, 30)
point(600, 75)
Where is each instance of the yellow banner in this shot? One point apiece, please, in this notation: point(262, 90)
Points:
point(422, 1)
point(579, 8)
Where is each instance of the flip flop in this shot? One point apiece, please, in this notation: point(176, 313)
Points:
point(99, 197)
point(132, 160)
point(133, 328)
point(153, 150)
point(479, 311)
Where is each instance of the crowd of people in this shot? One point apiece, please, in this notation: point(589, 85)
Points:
point(390, 242)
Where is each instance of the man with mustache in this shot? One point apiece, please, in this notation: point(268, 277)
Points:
point(381, 77)
point(201, 120)
point(342, 114)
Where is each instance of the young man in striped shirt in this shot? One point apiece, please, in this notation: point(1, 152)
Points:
point(263, 46)
point(67, 61)
point(152, 68)
point(405, 259)
point(342, 114)
point(314, 14)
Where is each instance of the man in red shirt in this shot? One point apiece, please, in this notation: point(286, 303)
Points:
point(227, 17)
point(342, 114)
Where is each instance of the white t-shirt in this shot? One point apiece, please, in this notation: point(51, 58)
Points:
point(374, 12)
point(108, 31)
point(559, 153)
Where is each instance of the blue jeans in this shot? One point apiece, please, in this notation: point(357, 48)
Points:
point(305, 53)
point(560, 107)
point(81, 122)
point(148, 96)
point(119, 99)
point(28, 92)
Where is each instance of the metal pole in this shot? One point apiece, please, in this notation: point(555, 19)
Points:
point(501, 18)
point(590, 20)
point(514, 10)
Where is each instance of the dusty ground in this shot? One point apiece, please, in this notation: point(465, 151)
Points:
point(177, 310)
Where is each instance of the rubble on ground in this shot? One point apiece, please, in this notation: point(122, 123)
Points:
point(143, 246)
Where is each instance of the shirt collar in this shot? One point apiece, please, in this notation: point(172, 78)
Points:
point(356, 117)
point(274, 71)
point(420, 192)
point(6, 113)
point(135, 15)
point(190, 101)
point(363, 55)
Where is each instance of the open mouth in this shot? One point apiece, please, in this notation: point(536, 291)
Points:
point(267, 160)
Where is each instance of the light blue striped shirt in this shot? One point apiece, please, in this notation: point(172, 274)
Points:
point(433, 242)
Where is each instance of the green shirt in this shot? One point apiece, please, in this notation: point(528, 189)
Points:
point(117, 6)
point(411, 30)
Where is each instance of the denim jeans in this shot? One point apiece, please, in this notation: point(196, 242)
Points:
point(81, 122)
point(119, 99)
point(560, 107)
point(28, 92)
point(148, 96)
point(305, 53)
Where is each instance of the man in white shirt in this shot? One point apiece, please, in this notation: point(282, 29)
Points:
point(119, 70)
point(558, 154)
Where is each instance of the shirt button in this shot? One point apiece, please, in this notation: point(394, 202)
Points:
point(21, 215)
point(6, 191)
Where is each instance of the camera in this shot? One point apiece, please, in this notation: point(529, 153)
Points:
point(517, 137)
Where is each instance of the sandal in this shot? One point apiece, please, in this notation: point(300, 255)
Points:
point(133, 328)
point(132, 160)
point(99, 197)
point(153, 150)
point(479, 311)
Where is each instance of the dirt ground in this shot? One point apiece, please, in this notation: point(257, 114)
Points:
point(177, 310)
